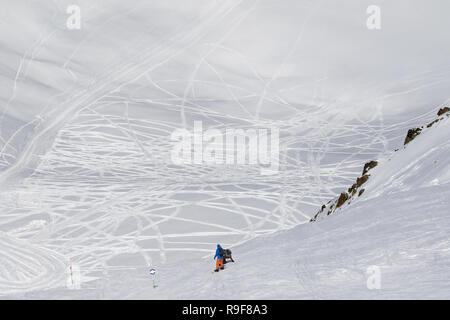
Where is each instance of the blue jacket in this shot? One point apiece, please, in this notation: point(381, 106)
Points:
point(217, 253)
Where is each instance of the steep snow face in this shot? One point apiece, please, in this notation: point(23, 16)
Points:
point(86, 119)
point(423, 163)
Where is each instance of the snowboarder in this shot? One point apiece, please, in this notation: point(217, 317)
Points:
point(219, 256)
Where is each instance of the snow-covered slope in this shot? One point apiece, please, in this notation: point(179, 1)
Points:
point(86, 118)
point(400, 225)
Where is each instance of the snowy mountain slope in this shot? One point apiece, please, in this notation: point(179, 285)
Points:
point(86, 119)
point(421, 164)
point(400, 224)
point(390, 178)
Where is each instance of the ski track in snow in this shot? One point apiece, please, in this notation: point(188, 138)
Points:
point(106, 188)
point(24, 266)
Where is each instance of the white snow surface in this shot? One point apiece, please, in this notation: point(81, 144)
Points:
point(85, 170)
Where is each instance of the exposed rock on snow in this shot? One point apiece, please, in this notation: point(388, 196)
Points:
point(342, 198)
point(440, 113)
point(369, 165)
point(443, 110)
point(346, 196)
point(412, 134)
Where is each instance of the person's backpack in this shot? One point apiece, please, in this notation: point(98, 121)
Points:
point(221, 252)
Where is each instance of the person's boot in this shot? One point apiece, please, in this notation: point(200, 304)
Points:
point(216, 270)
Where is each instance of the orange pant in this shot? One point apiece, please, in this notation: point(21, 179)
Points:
point(219, 262)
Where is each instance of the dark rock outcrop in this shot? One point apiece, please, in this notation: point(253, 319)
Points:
point(440, 113)
point(443, 110)
point(369, 165)
point(351, 192)
point(431, 123)
point(412, 134)
point(345, 196)
point(342, 199)
point(359, 182)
